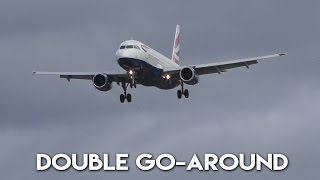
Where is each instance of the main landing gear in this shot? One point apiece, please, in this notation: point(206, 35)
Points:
point(183, 91)
point(125, 85)
point(125, 96)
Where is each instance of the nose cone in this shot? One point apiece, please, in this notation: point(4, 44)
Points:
point(118, 54)
point(123, 53)
point(127, 53)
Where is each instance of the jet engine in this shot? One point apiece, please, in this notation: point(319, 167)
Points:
point(100, 82)
point(189, 76)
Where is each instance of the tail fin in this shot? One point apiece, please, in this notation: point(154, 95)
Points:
point(176, 46)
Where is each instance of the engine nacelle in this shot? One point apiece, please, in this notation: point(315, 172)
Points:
point(100, 82)
point(189, 76)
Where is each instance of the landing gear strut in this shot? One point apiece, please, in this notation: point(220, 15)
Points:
point(132, 83)
point(125, 96)
point(183, 91)
point(132, 77)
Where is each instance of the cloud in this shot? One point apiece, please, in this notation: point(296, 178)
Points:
point(272, 107)
point(281, 128)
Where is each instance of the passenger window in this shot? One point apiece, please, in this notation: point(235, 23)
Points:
point(129, 47)
point(122, 47)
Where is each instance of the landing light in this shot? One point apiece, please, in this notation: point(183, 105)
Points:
point(167, 76)
point(130, 72)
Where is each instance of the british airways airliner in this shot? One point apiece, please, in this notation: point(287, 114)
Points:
point(147, 67)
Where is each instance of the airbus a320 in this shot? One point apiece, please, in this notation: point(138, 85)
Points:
point(144, 66)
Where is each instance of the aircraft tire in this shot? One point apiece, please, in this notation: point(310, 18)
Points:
point(129, 97)
point(179, 94)
point(186, 93)
point(122, 98)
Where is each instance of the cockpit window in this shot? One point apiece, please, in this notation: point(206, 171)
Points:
point(130, 47)
point(136, 47)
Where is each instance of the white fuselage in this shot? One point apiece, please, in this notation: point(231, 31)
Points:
point(144, 53)
point(147, 63)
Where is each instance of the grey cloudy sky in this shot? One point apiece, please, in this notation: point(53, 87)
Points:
point(273, 107)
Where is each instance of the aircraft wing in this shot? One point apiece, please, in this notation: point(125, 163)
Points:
point(117, 77)
point(220, 67)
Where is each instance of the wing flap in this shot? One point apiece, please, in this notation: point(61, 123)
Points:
point(209, 69)
point(223, 66)
point(117, 77)
point(84, 77)
point(220, 67)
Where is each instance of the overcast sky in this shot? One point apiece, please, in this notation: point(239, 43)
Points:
point(271, 108)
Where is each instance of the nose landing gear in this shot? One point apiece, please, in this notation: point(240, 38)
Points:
point(132, 77)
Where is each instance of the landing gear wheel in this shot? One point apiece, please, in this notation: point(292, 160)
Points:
point(133, 85)
point(179, 93)
point(186, 93)
point(183, 91)
point(122, 98)
point(129, 97)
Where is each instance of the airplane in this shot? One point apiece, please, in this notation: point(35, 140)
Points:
point(145, 66)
